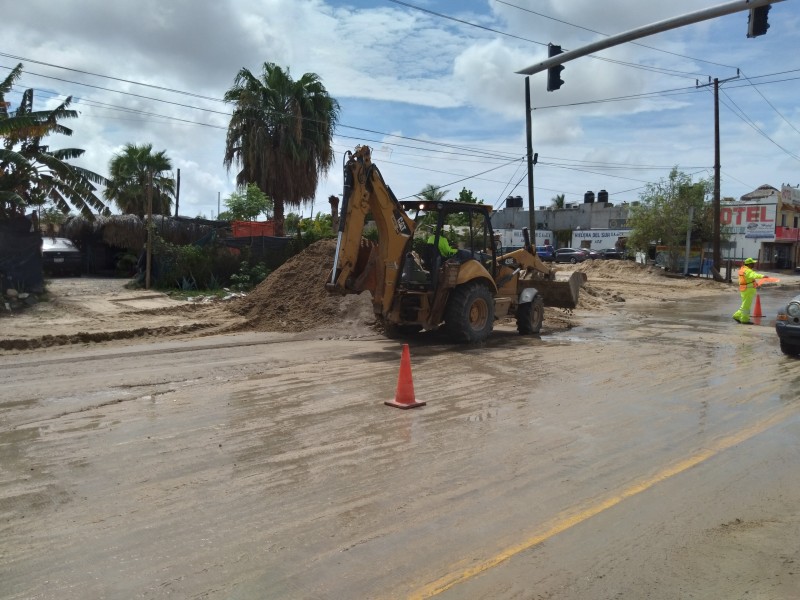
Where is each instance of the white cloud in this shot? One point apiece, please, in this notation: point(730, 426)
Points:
point(394, 69)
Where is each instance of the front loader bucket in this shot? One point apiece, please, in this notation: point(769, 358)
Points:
point(562, 293)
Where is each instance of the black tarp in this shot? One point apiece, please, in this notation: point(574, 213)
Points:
point(20, 257)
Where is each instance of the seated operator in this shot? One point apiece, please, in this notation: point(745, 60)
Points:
point(446, 250)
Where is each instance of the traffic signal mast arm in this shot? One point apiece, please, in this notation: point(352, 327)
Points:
point(658, 27)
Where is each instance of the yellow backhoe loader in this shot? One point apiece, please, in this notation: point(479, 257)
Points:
point(414, 282)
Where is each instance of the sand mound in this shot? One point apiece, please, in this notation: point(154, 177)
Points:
point(619, 268)
point(293, 298)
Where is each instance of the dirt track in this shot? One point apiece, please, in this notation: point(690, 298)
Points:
point(643, 447)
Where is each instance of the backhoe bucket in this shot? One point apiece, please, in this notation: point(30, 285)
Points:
point(562, 293)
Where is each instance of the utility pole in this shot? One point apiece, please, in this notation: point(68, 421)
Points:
point(529, 136)
point(177, 191)
point(716, 252)
point(149, 265)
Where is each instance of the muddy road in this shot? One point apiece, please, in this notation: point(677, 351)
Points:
point(651, 452)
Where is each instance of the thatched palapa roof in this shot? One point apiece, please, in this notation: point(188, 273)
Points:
point(129, 231)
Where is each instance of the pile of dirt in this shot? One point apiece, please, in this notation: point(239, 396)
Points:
point(613, 281)
point(293, 298)
point(609, 269)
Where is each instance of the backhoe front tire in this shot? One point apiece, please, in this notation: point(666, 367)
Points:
point(469, 316)
point(530, 316)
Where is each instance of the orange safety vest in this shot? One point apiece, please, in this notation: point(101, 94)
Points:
point(743, 282)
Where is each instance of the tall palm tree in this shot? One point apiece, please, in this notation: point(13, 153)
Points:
point(431, 193)
point(280, 135)
point(557, 201)
point(129, 171)
point(31, 174)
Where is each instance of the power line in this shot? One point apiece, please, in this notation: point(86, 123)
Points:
point(148, 85)
point(664, 71)
point(743, 116)
point(772, 106)
point(607, 35)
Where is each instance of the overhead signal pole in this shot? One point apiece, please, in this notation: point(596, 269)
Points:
point(756, 25)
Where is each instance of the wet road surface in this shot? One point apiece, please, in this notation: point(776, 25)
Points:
point(651, 454)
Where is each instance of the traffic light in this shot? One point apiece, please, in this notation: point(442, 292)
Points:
point(757, 21)
point(554, 80)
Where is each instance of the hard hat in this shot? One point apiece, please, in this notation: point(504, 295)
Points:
point(749, 261)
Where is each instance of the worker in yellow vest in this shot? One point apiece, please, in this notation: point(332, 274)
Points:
point(748, 290)
point(445, 249)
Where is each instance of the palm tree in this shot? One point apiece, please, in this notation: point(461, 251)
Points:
point(432, 193)
point(129, 172)
point(31, 174)
point(280, 135)
point(557, 201)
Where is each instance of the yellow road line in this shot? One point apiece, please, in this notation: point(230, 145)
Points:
point(560, 524)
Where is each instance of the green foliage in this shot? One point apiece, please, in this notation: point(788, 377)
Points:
point(248, 276)
point(126, 263)
point(462, 218)
point(663, 215)
point(318, 228)
point(249, 205)
point(133, 170)
point(292, 223)
point(31, 173)
point(431, 193)
point(468, 197)
point(558, 201)
point(192, 267)
point(370, 233)
point(50, 217)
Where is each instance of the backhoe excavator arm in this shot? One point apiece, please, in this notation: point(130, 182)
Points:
point(359, 265)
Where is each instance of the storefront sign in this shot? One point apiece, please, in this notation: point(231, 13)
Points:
point(790, 195)
point(599, 238)
point(748, 220)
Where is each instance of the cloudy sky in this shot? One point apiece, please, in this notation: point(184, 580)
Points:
point(430, 85)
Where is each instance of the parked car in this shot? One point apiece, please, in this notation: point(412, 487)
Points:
point(61, 257)
point(546, 253)
point(593, 254)
point(609, 253)
point(787, 326)
point(570, 255)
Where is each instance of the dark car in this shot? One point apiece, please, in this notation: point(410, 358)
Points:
point(546, 253)
point(570, 255)
point(609, 253)
point(61, 257)
point(593, 254)
point(787, 326)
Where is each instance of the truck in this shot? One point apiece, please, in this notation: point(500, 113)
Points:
point(413, 286)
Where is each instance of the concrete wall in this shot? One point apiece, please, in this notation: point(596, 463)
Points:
point(594, 215)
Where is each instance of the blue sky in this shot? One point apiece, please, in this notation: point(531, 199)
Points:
point(437, 96)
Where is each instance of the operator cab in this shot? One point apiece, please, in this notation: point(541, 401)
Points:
point(466, 227)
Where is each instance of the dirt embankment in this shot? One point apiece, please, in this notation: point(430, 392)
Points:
point(292, 299)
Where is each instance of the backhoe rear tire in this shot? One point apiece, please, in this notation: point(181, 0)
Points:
point(530, 316)
point(469, 316)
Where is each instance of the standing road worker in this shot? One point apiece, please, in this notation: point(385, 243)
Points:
point(747, 289)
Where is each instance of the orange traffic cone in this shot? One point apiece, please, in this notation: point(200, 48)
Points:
point(404, 396)
point(757, 310)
